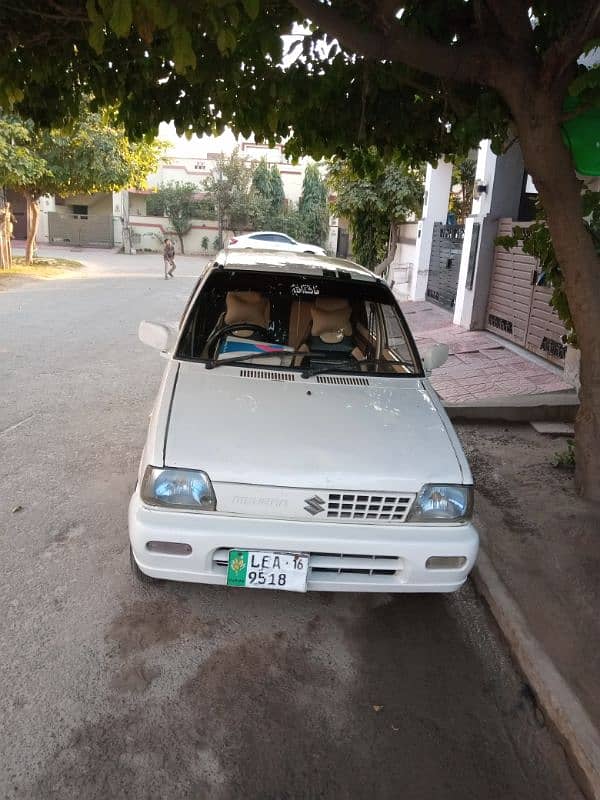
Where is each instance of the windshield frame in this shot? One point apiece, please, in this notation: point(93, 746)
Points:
point(417, 373)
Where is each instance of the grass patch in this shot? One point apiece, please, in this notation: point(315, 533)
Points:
point(42, 267)
point(565, 459)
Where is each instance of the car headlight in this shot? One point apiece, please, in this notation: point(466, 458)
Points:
point(438, 502)
point(178, 488)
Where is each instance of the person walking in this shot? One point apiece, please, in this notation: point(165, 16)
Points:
point(169, 258)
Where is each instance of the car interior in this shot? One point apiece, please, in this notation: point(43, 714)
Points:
point(335, 325)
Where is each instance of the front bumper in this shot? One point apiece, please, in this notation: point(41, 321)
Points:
point(344, 557)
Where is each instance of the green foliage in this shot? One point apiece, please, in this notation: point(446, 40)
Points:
point(536, 241)
point(373, 193)
point(20, 165)
point(228, 188)
point(463, 174)
point(267, 197)
point(312, 206)
point(215, 63)
point(566, 458)
point(92, 155)
point(276, 191)
point(261, 180)
point(205, 244)
point(177, 201)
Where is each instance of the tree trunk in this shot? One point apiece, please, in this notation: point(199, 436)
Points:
point(180, 237)
point(33, 218)
point(382, 267)
point(547, 159)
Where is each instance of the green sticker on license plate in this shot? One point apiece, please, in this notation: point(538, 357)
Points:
point(264, 569)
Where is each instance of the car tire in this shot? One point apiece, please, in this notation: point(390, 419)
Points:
point(137, 573)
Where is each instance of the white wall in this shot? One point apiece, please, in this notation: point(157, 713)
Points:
point(403, 265)
point(153, 230)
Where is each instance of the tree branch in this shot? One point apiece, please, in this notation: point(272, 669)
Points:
point(465, 62)
point(513, 18)
point(564, 52)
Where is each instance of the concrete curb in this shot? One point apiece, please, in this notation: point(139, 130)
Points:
point(563, 709)
point(548, 407)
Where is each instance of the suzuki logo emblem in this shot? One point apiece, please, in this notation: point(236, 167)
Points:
point(314, 505)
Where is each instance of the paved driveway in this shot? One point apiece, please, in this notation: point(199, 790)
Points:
point(109, 690)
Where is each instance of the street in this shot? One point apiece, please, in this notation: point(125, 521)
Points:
point(113, 690)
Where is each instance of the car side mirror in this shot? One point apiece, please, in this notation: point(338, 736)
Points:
point(155, 335)
point(435, 357)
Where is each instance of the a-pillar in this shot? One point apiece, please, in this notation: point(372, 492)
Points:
point(438, 183)
point(503, 178)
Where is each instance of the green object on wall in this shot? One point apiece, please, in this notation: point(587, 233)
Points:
point(581, 134)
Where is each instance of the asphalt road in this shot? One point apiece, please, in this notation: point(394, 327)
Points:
point(111, 690)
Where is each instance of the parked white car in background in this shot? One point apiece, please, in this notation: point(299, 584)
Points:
point(271, 240)
point(296, 442)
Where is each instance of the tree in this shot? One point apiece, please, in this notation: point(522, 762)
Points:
point(228, 188)
point(261, 180)
point(177, 201)
point(92, 155)
point(312, 206)
point(463, 175)
point(376, 195)
point(429, 79)
point(276, 190)
point(266, 200)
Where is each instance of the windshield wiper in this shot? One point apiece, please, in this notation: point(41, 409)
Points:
point(310, 372)
point(249, 356)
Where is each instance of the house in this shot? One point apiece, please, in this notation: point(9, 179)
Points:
point(126, 218)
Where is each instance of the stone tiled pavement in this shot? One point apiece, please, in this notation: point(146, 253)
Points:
point(479, 365)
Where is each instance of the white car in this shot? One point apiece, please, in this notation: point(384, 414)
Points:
point(271, 240)
point(296, 442)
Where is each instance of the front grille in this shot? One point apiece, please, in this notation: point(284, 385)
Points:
point(342, 380)
point(267, 376)
point(336, 563)
point(344, 564)
point(374, 507)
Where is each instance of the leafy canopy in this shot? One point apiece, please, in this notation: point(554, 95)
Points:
point(374, 194)
point(176, 199)
point(228, 187)
point(428, 82)
point(312, 206)
point(93, 154)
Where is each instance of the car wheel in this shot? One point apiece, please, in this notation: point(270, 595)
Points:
point(137, 573)
point(310, 252)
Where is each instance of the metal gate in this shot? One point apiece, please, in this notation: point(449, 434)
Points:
point(342, 244)
point(80, 229)
point(444, 263)
point(518, 308)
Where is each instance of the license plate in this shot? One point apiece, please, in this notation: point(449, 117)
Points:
point(263, 569)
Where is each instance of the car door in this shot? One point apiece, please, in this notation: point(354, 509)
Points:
point(280, 241)
point(261, 241)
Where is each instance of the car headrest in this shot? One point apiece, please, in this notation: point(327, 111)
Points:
point(252, 307)
point(331, 316)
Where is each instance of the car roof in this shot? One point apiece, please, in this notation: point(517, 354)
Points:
point(291, 263)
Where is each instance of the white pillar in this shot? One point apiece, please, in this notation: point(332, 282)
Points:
point(438, 183)
point(119, 202)
point(47, 204)
point(503, 178)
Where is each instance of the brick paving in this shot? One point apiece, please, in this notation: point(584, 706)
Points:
point(479, 365)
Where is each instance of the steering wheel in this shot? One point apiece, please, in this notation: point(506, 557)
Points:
point(217, 335)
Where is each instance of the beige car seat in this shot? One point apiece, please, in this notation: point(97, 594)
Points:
point(330, 319)
point(246, 306)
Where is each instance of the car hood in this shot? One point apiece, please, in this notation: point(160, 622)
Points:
point(385, 436)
